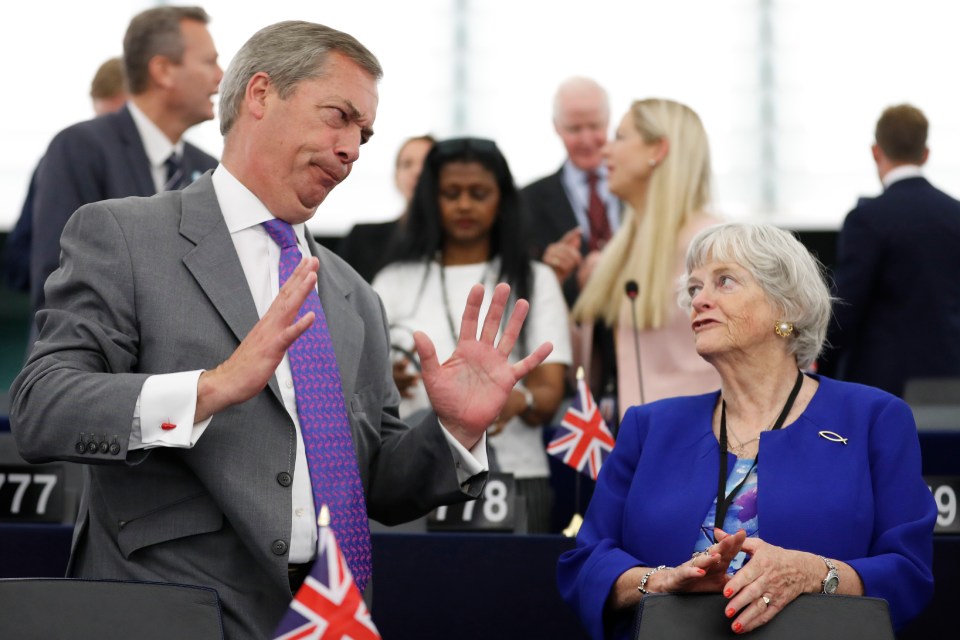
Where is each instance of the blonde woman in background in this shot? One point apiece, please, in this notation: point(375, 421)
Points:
point(659, 165)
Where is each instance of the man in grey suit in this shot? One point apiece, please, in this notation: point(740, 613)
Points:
point(162, 359)
point(172, 74)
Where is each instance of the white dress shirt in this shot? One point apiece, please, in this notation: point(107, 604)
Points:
point(902, 172)
point(172, 397)
point(156, 144)
point(578, 192)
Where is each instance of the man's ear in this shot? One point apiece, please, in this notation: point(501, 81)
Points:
point(258, 92)
point(160, 69)
point(877, 153)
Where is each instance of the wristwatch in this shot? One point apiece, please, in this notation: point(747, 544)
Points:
point(832, 579)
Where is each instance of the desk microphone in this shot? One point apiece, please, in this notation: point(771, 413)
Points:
point(632, 290)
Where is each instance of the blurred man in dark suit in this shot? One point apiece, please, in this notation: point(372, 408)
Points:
point(108, 91)
point(572, 213)
point(172, 74)
point(898, 255)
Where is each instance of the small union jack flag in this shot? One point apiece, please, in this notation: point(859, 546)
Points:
point(582, 439)
point(328, 606)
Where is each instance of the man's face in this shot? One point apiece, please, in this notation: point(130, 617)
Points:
point(581, 123)
point(306, 144)
point(196, 79)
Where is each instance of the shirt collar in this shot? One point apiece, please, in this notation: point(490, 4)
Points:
point(155, 142)
point(574, 175)
point(241, 209)
point(902, 172)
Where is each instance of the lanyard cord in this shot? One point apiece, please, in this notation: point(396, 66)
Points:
point(724, 501)
point(446, 301)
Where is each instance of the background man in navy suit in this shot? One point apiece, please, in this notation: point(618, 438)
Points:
point(172, 74)
point(558, 204)
point(898, 256)
point(108, 91)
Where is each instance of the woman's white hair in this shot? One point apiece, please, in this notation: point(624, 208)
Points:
point(789, 275)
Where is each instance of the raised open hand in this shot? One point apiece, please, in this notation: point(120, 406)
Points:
point(470, 388)
point(248, 369)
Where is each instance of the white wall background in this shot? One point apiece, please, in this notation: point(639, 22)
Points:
point(790, 108)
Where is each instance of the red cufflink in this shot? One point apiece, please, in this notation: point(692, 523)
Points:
point(167, 426)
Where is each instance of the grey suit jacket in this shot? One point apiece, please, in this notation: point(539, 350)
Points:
point(90, 161)
point(154, 285)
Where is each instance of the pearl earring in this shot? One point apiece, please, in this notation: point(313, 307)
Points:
point(784, 329)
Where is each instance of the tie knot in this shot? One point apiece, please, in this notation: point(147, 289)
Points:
point(592, 178)
point(173, 162)
point(281, 232)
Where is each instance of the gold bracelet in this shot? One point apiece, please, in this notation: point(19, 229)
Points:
point(643, 581)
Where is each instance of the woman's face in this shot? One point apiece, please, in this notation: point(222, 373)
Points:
point(729, 312)
point(469, 199)
point(409, 164)
point(628, 159)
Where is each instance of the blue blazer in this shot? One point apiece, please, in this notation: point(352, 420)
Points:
point(896, 277)
point(864, 503)
point(94, 160)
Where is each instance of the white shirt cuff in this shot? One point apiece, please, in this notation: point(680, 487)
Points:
point(469, 462)
point(164, 413)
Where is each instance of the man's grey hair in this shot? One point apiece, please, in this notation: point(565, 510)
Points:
point(579, 85)
point(789, 275)
point(289, 52)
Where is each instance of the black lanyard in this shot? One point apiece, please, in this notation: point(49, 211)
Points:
point(723, 500)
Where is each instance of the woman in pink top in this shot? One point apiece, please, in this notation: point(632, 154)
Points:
point(659, 165)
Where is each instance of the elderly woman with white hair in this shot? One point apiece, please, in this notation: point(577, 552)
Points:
point(686, 503)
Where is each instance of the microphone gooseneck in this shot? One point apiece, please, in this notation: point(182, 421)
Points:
point(632, 289)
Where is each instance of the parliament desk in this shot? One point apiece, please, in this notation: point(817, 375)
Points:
point(474, 585)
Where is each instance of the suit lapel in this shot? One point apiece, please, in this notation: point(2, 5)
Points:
point(345, 324)
point(135, 155)
point(213, 262)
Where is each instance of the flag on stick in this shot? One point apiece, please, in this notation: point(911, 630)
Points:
point(328, 606)
point(582, 439)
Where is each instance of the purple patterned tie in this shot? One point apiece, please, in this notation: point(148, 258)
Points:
point(323, 420)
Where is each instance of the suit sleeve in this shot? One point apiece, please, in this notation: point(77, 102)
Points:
point(69, 176)
point(586, 575)
point(77, 384)
point(898, 566)
point(859, 254)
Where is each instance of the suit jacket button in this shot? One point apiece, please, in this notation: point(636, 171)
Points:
point(91, 447)
point(104, 447)
point(279, 547)
point(81, 448)
point(285, 479)
point(114, 449)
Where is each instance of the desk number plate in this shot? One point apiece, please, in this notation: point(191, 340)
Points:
point(495, 510)
point(945, 491)
point(31, 493)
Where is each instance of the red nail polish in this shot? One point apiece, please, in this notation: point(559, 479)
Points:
point(728, 592)
point(701, 572)
point(730, 613)
point(737, 627)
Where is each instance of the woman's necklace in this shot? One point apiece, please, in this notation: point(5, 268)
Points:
point(741, 445)
point(445, 296)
